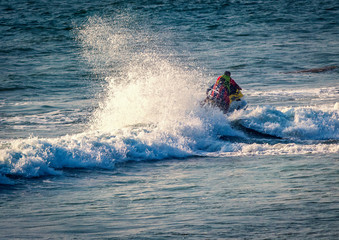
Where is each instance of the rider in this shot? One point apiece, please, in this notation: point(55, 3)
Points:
point(219, 93)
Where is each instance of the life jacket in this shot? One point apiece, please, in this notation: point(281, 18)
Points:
point(221, 91)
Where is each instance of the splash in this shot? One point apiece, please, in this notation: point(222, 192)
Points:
point(150, 110)
point(142, 84)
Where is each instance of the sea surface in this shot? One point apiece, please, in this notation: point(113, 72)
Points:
point(103, 135)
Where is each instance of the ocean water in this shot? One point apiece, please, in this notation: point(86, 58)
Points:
point(102, 134)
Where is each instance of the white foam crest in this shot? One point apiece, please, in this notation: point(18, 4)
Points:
point(35, 156)
point(306, 123)
point(188, 134)
point(255, 149)
point(297, 92)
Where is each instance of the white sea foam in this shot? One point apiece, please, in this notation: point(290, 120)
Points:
point(151, 110)
point(256, 149)
point(306, 123)
point(299, 93)
point(196, 135)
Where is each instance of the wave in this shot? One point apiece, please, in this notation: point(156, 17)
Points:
point(304, 123)
point(151, 110)
point(15, 88)
point(299, 93)
point(323, 98)
point(196, 135)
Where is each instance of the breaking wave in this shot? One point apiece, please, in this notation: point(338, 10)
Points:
point(151, 109)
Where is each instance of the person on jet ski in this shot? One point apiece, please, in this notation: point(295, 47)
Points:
point(222, 93)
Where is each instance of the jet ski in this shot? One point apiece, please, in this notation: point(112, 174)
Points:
point(236, 102)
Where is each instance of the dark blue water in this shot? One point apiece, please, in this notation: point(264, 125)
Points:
point(102, 134)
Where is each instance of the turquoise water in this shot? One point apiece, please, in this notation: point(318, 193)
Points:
point(102, 134)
